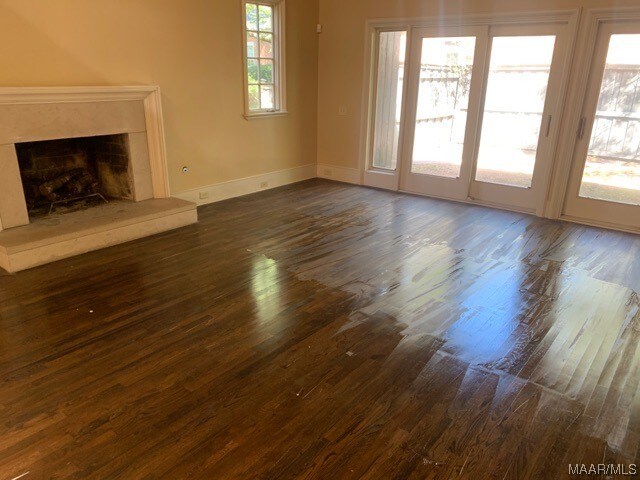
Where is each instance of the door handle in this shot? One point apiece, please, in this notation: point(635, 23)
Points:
point(581, 128)
point(549, 125)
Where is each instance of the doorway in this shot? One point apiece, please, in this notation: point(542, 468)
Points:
point(482, 103)
point(604, 182)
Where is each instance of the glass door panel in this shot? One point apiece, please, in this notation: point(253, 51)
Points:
point(513, 109)
point(446, 66)
point(612, 169)
point(604, 185)
point(388, 99)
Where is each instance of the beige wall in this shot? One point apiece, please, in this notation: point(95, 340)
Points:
point(342, 48)
point(192, 49)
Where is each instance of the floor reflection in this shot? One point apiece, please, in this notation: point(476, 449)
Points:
point(265, 288)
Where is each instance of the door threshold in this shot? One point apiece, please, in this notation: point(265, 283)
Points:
point(480, 203)
point(599, 224)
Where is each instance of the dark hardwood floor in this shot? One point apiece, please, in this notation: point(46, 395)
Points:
point(327, 331)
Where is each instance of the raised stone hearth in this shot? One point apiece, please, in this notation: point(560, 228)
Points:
point(48, 239)
point(99, 149)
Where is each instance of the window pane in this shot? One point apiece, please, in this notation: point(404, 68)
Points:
point(267, 97)
point(252, 71)
point(515, 98)
point(252, 45)
point(261, 67)
point(252, 16)
point(254, 97)
point(443, 101)
point(612, 171)
point(266, 45)
point(266, 71)
point(266, 18)
point(388, 108)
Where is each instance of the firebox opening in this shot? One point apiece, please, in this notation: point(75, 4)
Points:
point(65, 175)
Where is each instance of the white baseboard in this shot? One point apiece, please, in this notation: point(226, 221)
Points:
point(244, 186)
point(340, 174)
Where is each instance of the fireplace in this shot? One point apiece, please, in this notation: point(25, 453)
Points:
point(66, 175)
point(82, 168)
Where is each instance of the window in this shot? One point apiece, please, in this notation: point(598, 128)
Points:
point(263, 25)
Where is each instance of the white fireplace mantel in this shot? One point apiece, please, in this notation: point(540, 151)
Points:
point(46, 113)
point(42, 114)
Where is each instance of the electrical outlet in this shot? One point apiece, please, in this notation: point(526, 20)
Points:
point(328, 172)
point(264, 184)
point(203, 195)
point(342, 110)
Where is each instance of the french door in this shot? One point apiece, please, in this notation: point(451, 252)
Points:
point(604, 184)
point(520, 112)
point(477, 117)
point(442, 110)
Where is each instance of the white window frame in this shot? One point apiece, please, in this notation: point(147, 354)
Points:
point(279, 77)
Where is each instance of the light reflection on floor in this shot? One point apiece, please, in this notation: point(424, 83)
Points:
point(265, 287)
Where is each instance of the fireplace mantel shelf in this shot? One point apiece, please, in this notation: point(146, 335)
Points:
point(45, 95)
